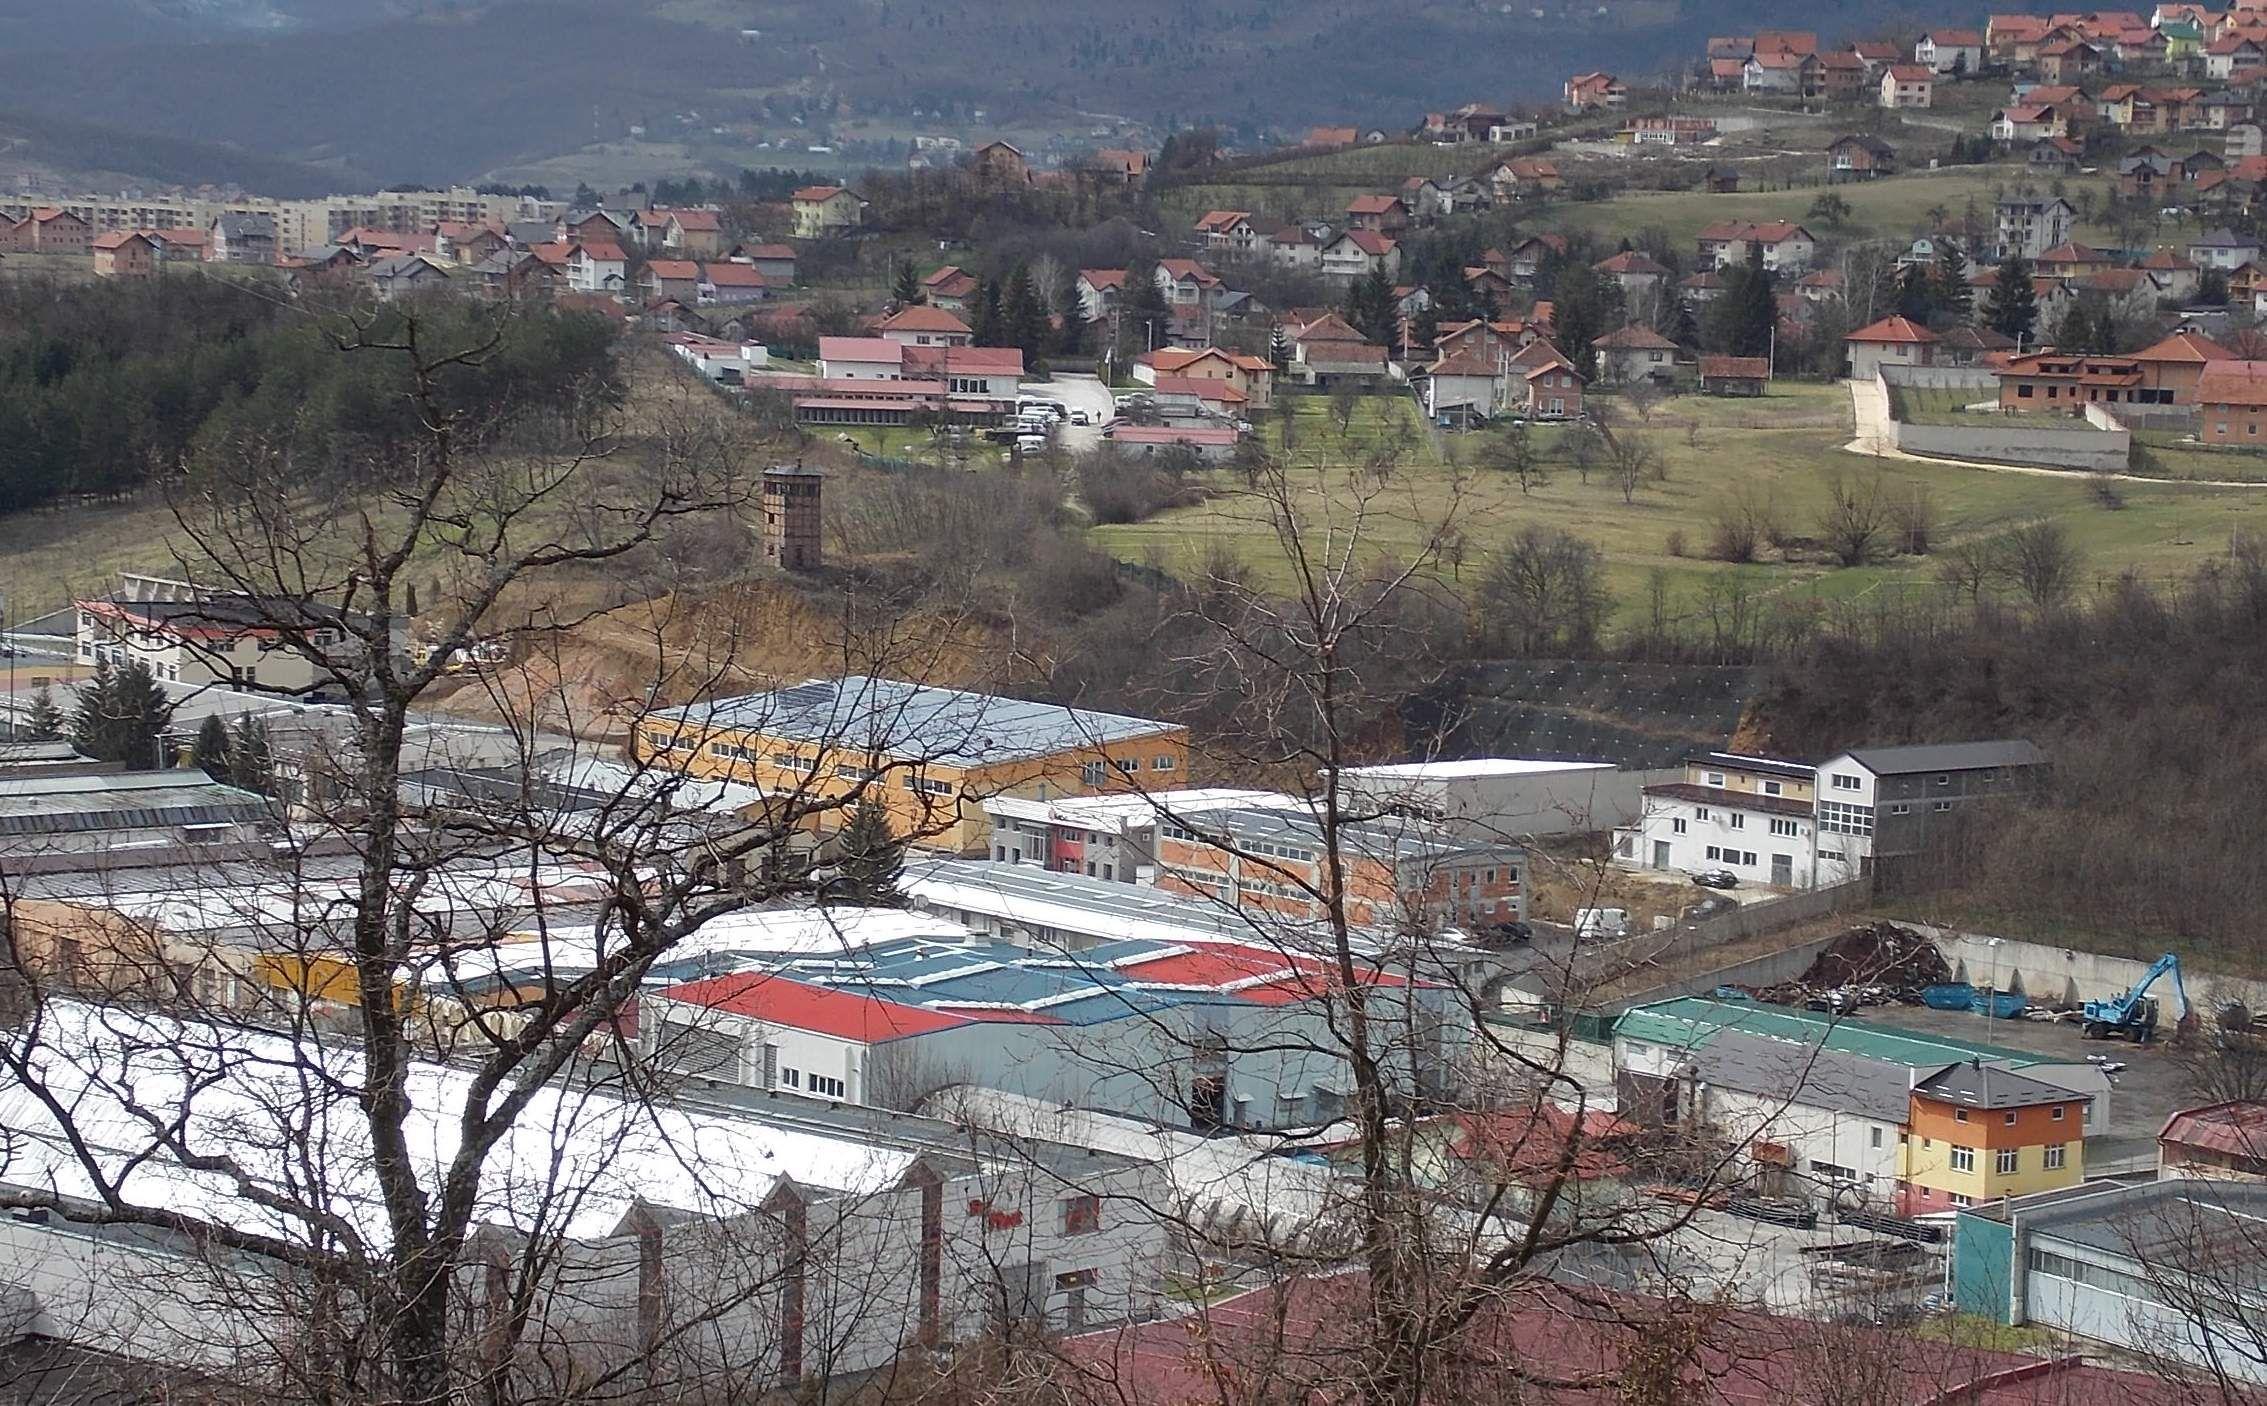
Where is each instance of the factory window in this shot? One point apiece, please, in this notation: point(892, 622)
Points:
point(1959, 1115)
point(1844, 782)
point(827, 1085)
point(1715, 778)
point(1163, 763)
point(1785, 827)
point(790, 1078)
point(2010, 1120)
point(1770, 788)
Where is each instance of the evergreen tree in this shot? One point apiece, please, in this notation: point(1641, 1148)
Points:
point(906, 290)
point(1144, 320)
point(2212, 288)
point(120, 716)
point(1742, 319)
point(45, 722)
point(1683, 329)
point(2012, 310)
point(251, 764)
point(1372, 308)
point(1955, 300)
point(1070, 340)
point(210, 752)
point(1025, 317)
point(869, 856)
point(986, 322)
point(1424, 329)
point(1916, 294)
point(2076, 331)
point(1279, 348)
point(1578, 316)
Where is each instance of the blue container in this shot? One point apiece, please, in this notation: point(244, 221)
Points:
point(1949, 996)
point(2003, 1005)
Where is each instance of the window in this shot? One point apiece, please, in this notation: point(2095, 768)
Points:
point(2007, 1160)
point(1943, 780)
point(1940, 807)
point(1091, 773)
point(2022, 392)
point(1770, 788)
point(1831, 1172)
point(1163, 763)
point(1963, 1158)
point(1900, 808)
point(2057, 1114)
point(1959, 1115)
point(1128, 765)
point(1715, 778)
point(1843, 781)
point(2054, 1156)
point(790, 1078)
point(1836, 818)
point(1784, 827)
point(1082, 1215)
point(1739, 821)
point(1959, 1200)
point(1715, 852)
point(1833, 854)
point(1875, 1139)
point(2010, 1120)
point(1677, 826)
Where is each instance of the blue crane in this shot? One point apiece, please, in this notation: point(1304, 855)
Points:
point(2133, 1015)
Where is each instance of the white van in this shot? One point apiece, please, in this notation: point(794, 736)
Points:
point(1031, 444)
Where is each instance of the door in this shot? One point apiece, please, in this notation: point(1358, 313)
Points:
point(1660, 854)
point(1783, 870)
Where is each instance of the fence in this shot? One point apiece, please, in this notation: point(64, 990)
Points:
point(1607, 959)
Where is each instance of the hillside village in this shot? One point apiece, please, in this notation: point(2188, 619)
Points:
point(1493, 750)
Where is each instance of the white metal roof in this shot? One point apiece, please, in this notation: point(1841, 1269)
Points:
point(1476, 766)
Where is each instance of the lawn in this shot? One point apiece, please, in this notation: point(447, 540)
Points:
point(1782, 449)
point(1937, 405)
point(1378, 421)
point(2174, 455)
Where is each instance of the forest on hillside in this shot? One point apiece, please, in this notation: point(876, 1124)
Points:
point(108, 387)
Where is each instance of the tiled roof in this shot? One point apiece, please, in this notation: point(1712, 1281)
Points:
point(1892, 331)
point(918, 318)
point(2233, 383)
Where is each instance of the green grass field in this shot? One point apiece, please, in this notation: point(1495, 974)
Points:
point(1782, 448)
point(2172, 455)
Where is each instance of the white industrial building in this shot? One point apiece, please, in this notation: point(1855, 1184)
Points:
point(1503, 797)
point(775, 1237)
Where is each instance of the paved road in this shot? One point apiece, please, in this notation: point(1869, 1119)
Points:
point(1077, 392)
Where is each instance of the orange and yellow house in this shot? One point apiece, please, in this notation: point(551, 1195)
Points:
point(930, 756)
point(1976, 1133)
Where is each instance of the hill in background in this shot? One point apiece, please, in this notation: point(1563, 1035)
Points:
point(433, 95)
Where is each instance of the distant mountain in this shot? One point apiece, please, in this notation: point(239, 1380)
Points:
point(437, 92)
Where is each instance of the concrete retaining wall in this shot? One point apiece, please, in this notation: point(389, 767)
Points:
point(1938, 378)
point(1768, 970)
point(2025, 439)
point(2105, 451)
point(2063, 975)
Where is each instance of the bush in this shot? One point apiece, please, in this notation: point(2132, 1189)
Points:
point(1676, 542)
point(1118, 489)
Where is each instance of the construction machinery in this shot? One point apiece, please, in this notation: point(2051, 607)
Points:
point(2133, 1014)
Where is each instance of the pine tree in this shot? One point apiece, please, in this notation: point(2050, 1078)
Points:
point(1372, 308)
point(1070, 340)
point(906, 290)
point(1578, 315)
point(986, 322)
point(1424, 330)
point(91, 731)
point(1024, 317)
point(1683, 329)
point(120, 716)
point(251, 764)
point(209, 753)
point(2012, 310)
point(1741, 320)
point(2212, 288)
point(1955, 300)
point(869, 856)
point(1279, 348)
point(1916, 294)
point(1144, 321)
point(2077, 331)
point(45, 722)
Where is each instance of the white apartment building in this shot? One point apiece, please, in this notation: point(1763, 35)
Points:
point(1753, 816)
point(1793, 825)
point(190, 635)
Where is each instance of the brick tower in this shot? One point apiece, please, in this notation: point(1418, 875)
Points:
point(791, 516)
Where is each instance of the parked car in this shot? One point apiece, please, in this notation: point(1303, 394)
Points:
point(1031, 443)
point(1080, 417)
point(1708, 908)
point(1507, 934)
point(1717, 879)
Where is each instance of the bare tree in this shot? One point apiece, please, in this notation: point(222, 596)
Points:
point(1913, 514)
point(1512, 450)
point(1745, 520)
point(2041, 562)
point(1633, 461)
point(1855, 517)
point(1544, 593)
